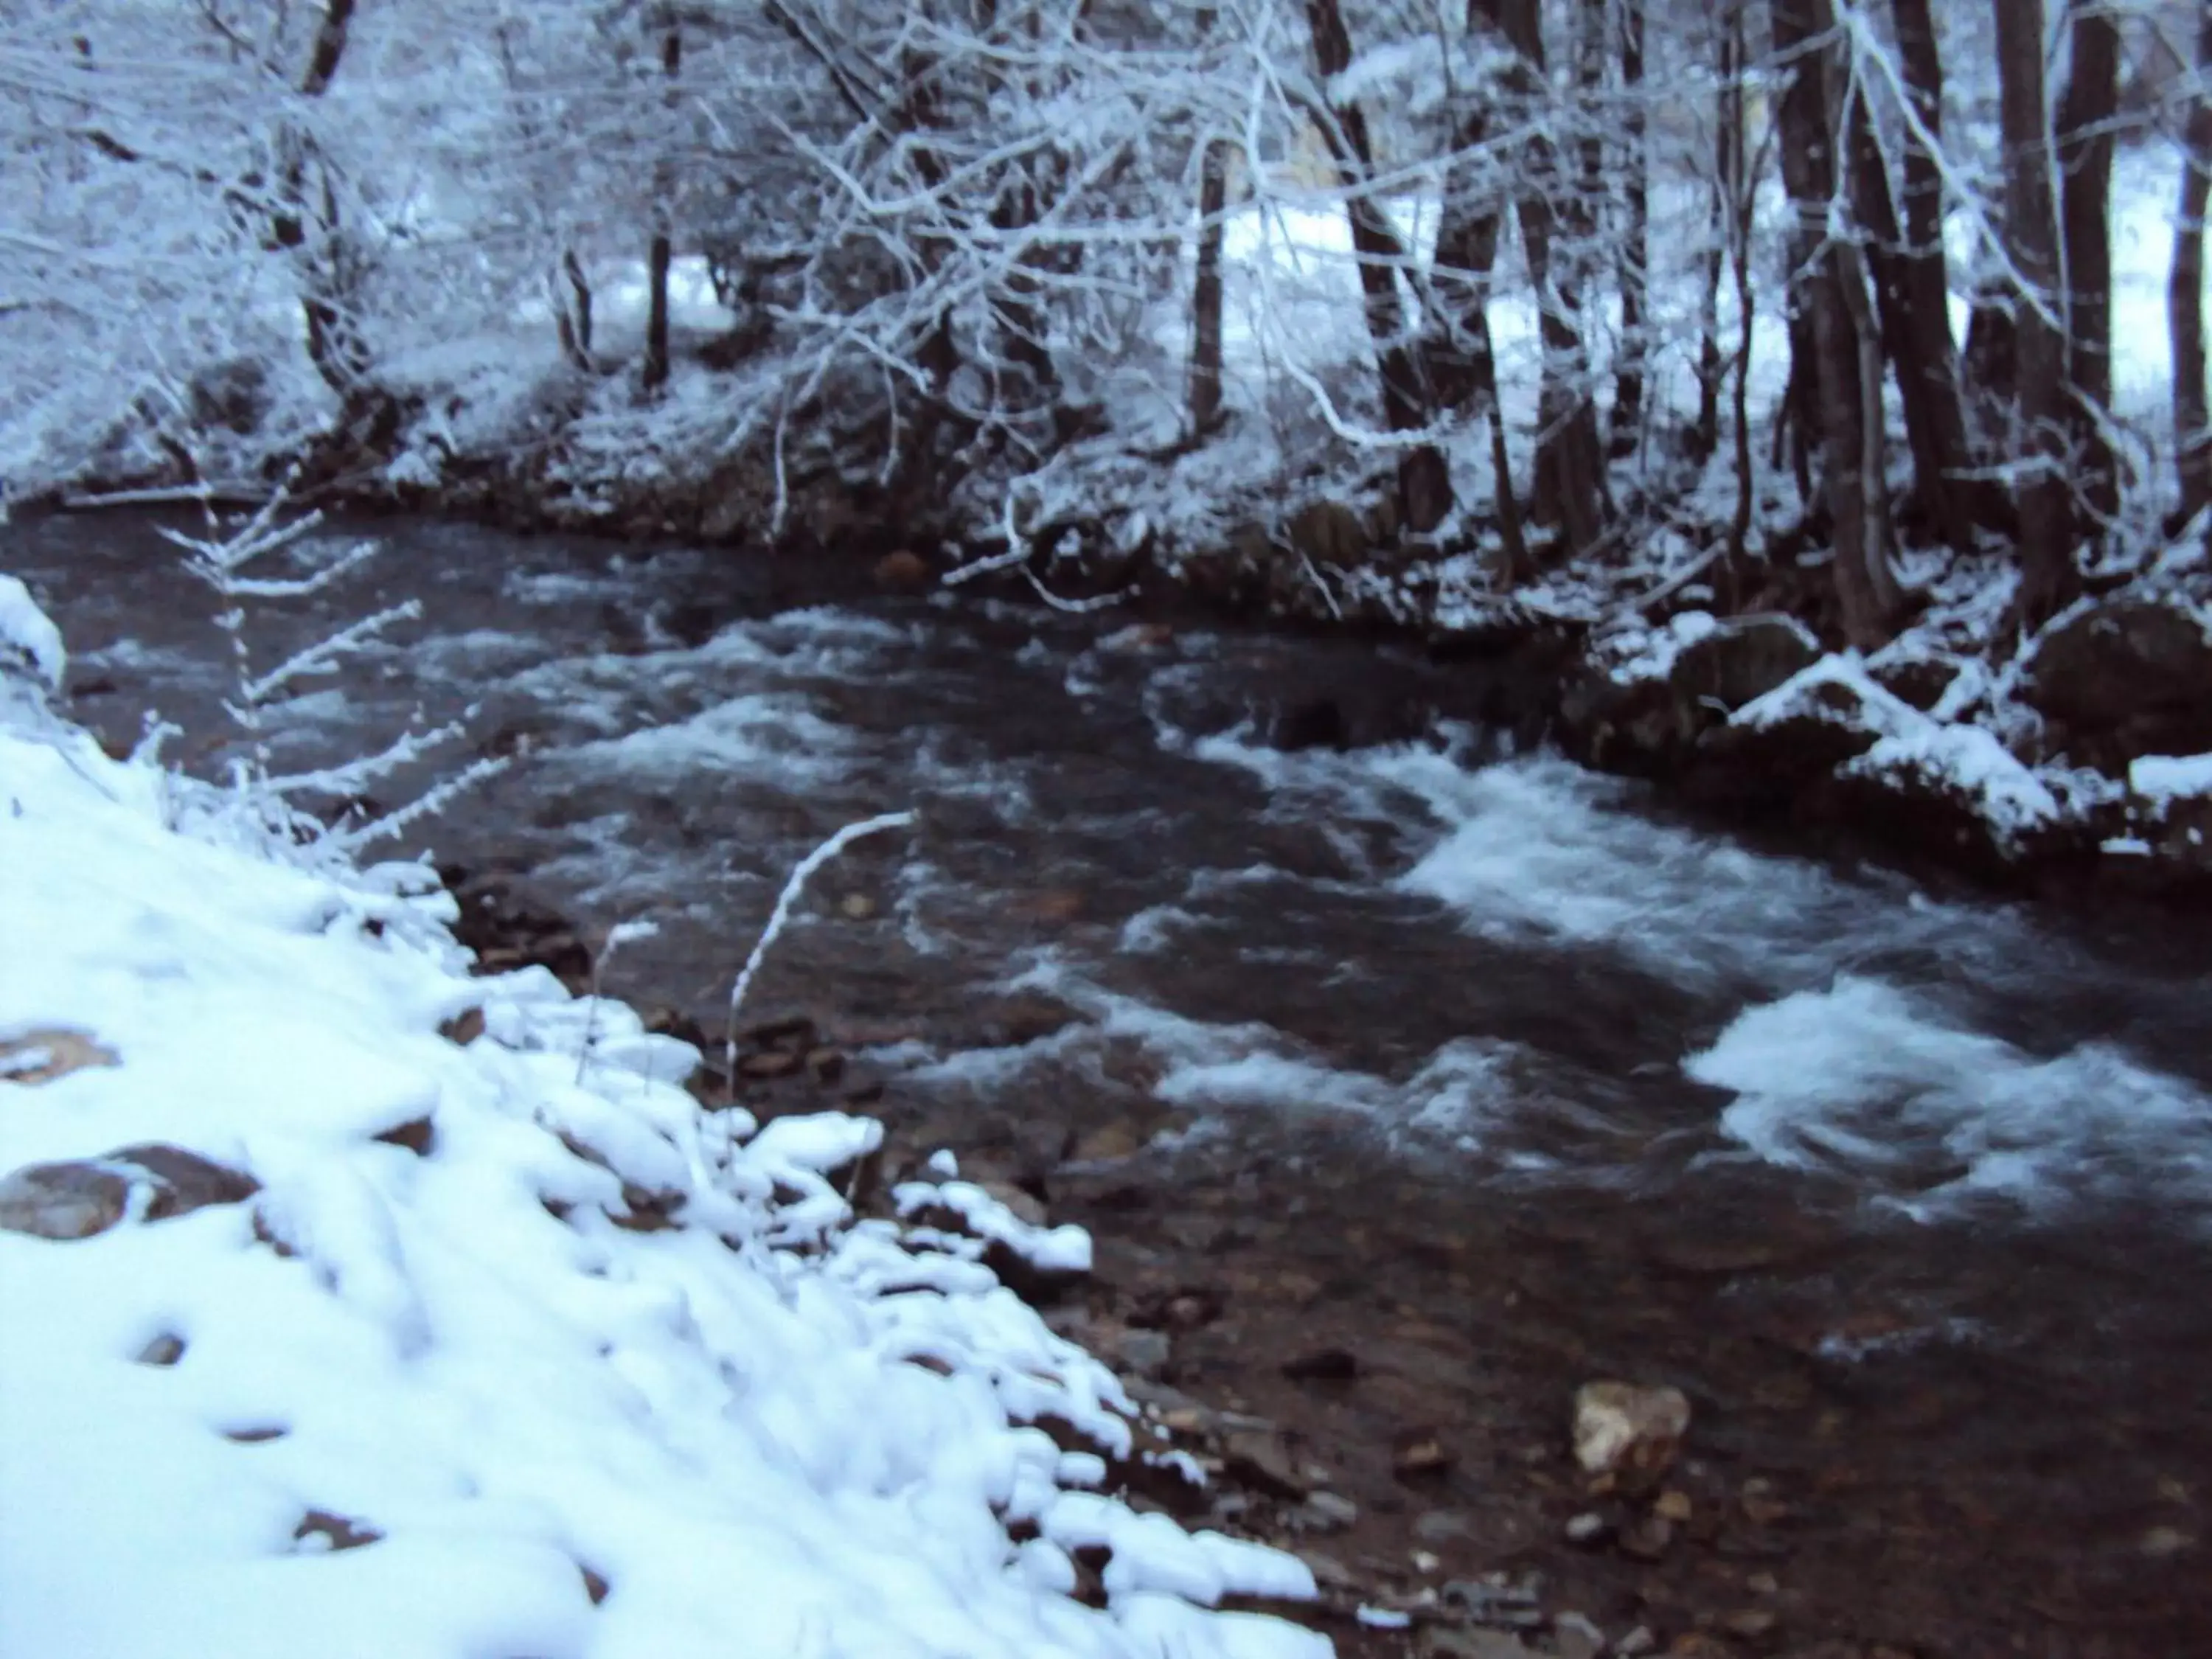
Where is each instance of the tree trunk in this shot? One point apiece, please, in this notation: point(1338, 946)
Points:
point(335, 345)
point(2085, 167)
point(1834, 302)
point(1461, 355)
point(1424, 477)
point(1206, 298)
point(2185, 295)
point(1636, 254)
point(1741, 189)
point(662, 255)
point(2048, 576)
point(1570, 478)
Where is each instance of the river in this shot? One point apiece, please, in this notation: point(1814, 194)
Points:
point(1488, 1069)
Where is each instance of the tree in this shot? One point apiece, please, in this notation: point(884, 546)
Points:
point(1570, 490)
point(1635, 261)
point(2085, 138)
point(2184, 297)
point(1911, 273)
point(1846, 368)
point(1424, 479)
point(2048, 575)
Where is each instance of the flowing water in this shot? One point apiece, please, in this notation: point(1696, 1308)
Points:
point(1474, 1062)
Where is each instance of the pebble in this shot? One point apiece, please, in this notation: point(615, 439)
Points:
point(1328, 1572)
point(1648, 1539)
point(1576, 1637)
point(1419, 1452)
point(1145, 1352)
point(1588, 1529)
point(1638, 1643)
point(1628, 1431)
point(1753, 1623)
point(1673, 1506)
point(1258, 1459)
point(1331, 1511)
point(1435, 1526)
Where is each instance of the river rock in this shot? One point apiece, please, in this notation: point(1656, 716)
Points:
point(2129, 677)
point(1260, 1459)
point(904, 571)
point(79, 1198)
point(1628, 1431)
point(1419, 1454)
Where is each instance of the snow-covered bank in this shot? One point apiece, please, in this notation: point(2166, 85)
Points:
point(330, 1331)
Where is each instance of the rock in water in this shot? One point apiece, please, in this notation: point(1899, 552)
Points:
point(1627, 1430)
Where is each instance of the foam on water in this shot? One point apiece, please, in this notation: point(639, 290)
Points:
point(1860, 1077)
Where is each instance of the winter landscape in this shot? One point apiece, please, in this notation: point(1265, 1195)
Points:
point(1049, 827)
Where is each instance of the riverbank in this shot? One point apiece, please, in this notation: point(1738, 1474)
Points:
point(2073, 763)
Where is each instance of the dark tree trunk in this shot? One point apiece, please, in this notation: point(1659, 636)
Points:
point(1834, 302)
point(1636, 254)
point(1916, 335)
point(1424, 478)
point(1741, 190)
point(1462, 357)
point(1205, 292)
point(579, 292)
point(661, 254)
point(2048, 576)
point(2085, 165)
point(1569, 477)
point(2185, 295)
point(1924, 289)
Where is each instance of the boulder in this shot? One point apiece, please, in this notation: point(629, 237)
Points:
point(1329, 533)
point(2125, 677)
point(1697, 673)
point(1743, 659)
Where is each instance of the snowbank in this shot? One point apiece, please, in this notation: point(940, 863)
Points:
point(501, 1347)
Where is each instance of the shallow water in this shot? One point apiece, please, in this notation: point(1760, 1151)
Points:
point(1715, 1113)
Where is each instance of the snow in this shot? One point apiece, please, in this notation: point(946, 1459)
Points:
point(1965, 763)
point(463, 1352)
point(2164, 778)
point(26, 630)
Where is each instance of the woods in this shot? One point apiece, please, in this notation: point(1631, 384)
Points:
point(1532, 282)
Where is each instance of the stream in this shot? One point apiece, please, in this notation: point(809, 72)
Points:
point(1491, 1072)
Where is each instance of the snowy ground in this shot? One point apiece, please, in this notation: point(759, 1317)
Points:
point(560, 1364)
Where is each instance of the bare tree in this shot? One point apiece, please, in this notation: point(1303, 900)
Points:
point(1635, 259)
point(2086, 138)
point(2184, 298)
point(661, 253)
point(1569, 489)
point(2049, 578)
point(1408, 405)
point(1833, 297)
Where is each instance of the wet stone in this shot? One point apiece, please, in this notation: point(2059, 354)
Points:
point(1260, 1459)
point(1420, 1454)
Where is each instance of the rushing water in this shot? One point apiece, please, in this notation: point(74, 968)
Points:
point(1486, 983)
